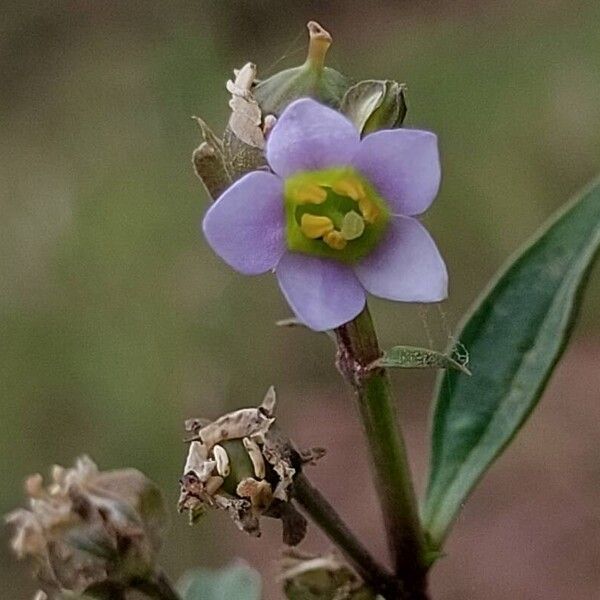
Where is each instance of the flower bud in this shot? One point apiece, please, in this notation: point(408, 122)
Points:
point(310, 577)
point(373, 105)
point(89, 528)
point(311, 79)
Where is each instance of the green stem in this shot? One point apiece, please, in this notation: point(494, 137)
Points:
point(358, 347)
point(324, 515)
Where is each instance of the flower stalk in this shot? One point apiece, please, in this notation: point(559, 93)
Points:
point(324, 515)
point(358, 347)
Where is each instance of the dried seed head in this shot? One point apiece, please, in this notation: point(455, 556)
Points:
point(239, 465)
point(88, 527)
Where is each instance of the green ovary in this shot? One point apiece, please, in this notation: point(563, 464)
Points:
point(334, 213)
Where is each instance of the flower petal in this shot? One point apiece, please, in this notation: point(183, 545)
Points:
point(310, 136)
point(322, 292)
point(245, 226)
point(406, 265)
point(404, 166)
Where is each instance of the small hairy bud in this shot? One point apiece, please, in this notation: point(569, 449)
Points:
point(87, 528)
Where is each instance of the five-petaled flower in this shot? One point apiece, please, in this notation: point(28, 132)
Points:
point(335, 217)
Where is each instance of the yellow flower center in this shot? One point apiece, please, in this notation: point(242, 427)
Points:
point(334, 213)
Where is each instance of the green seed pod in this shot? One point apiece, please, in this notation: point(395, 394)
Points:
point(311, 79)
point(373, 105)
point(240, 465)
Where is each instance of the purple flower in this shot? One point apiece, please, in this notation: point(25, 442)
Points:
point(335, 218)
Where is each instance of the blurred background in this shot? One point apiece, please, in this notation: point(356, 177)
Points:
point(117, 322)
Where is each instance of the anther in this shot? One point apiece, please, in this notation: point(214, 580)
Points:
point(315, 226)
point(310, 193)
point(335, 240)
point(349, 187)
point(368, 209)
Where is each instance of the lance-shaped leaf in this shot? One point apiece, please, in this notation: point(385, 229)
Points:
point(515, 335)
point(410, 357)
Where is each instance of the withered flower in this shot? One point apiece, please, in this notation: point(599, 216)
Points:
point(241, 464)
point(88, 530)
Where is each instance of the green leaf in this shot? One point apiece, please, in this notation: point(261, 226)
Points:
point(233, 583)
point(410, 357)
point(514, 335)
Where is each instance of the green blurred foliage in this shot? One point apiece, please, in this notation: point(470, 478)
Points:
point(118, 322)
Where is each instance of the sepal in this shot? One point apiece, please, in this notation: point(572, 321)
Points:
point(372, 105)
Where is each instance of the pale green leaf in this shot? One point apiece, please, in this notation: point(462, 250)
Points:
point(233, 583)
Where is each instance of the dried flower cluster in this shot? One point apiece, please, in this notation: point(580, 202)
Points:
point(89, 529)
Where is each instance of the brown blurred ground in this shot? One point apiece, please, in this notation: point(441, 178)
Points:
point(530, 531)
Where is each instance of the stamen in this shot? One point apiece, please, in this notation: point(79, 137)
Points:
point(335, 240)
point(348, 221)
point(315, 226)
point(353, 226)
point(368, 209)
point(310, 193)
point(349, 187)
